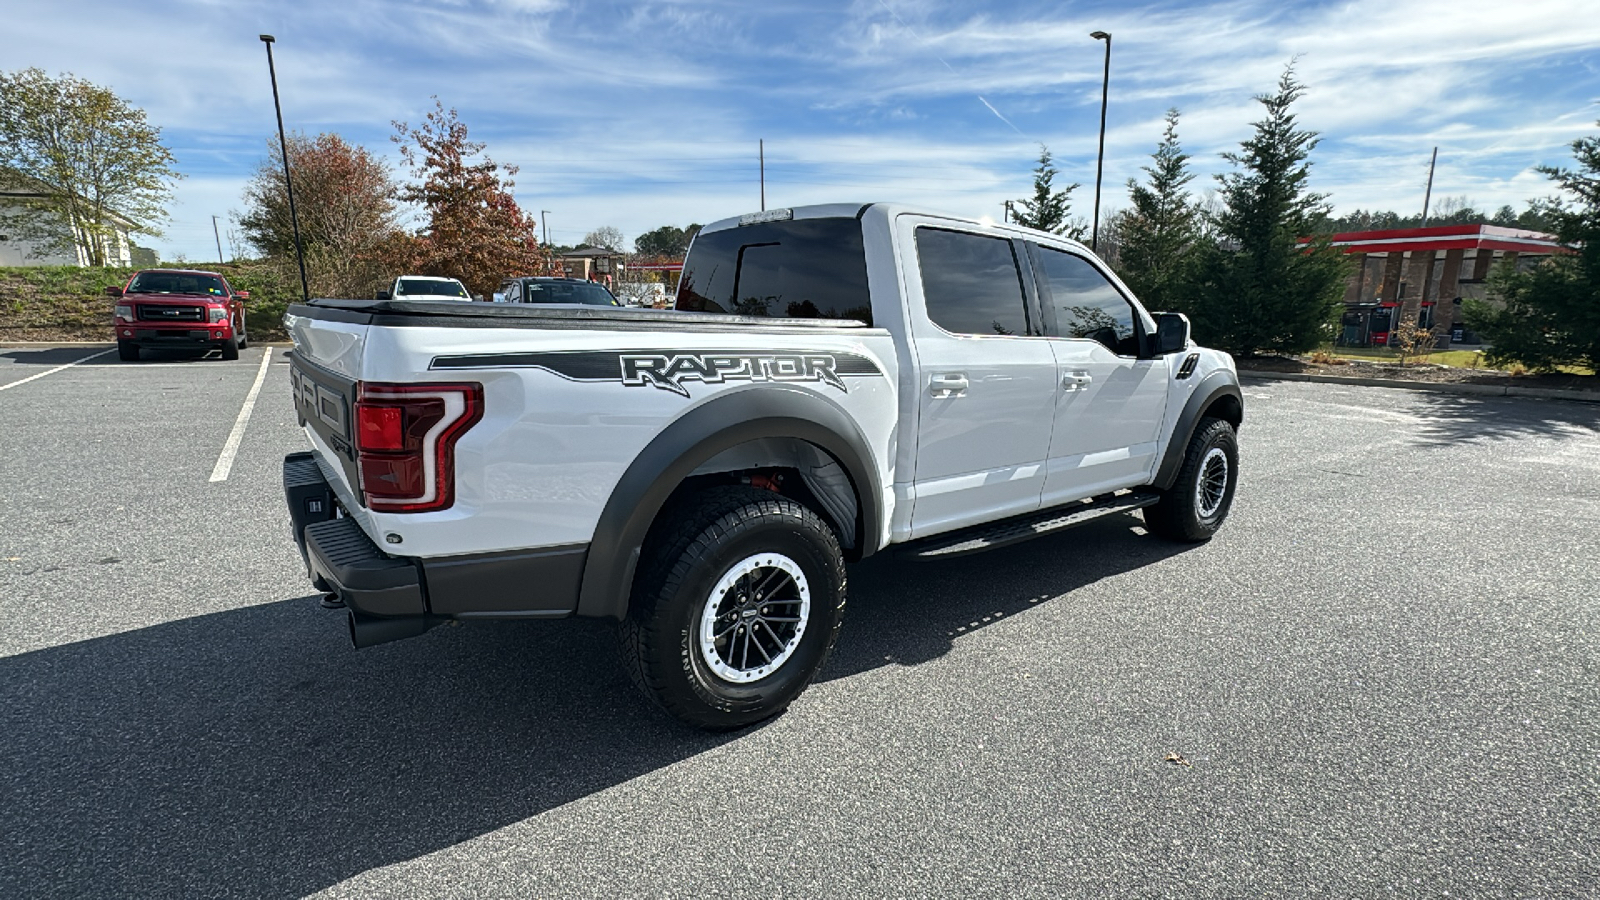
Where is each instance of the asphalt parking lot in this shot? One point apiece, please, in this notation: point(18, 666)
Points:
point(1381, 679)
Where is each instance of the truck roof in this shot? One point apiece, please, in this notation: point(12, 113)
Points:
point(889, 209)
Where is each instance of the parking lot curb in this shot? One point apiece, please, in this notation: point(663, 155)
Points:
point(7, 344)
point(1491, 390)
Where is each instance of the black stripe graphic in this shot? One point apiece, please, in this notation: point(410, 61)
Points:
point(670, 369)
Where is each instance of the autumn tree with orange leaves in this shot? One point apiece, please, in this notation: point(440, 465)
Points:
point(475, 230)
point(349, 218)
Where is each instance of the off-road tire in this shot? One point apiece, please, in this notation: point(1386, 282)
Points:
point(230, 348)
point(690, 551)
point(127, 351)
point(1184, 513)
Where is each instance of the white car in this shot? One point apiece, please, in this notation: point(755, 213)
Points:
point(835, 381)
point(425, 287)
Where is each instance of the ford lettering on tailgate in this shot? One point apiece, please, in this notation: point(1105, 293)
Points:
point(324, 406)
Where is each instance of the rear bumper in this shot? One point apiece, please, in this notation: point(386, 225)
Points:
point(393, 597)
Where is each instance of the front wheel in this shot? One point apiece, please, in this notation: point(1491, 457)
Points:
point(1198, 502)
point(739, 600)
point(230, 348)
point(127, 351)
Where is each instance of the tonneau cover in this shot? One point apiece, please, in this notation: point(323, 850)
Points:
point(443, 313)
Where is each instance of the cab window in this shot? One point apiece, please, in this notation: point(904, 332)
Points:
point(971, 282)
point(1081, 303)
point(795, 269)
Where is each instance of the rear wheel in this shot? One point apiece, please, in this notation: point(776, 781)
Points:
point(230, 348)
point(738, 602)
point(244, 336)
point(1198, 502)
point(127, 351)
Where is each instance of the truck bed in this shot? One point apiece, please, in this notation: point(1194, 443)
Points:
point(448, 314)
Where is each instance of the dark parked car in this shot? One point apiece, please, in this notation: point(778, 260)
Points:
point(554, 290)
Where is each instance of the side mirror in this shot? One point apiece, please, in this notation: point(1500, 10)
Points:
point(382, 295)
point(113, 292)
point(1172, 333)
point(241, 295)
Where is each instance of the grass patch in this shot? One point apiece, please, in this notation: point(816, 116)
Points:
point(1461, 359)
point(69, 303)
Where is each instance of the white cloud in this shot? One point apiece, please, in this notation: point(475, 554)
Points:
point(642, 114)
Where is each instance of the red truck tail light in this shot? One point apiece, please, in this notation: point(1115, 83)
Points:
point(406, 439)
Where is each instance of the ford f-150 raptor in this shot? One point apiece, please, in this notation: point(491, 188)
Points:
point(834, 380)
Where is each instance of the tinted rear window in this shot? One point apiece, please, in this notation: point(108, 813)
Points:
point(806, 269)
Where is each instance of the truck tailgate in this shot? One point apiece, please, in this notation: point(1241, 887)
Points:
point(324, 368)
point(325, 401)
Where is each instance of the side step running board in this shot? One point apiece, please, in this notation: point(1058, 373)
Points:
point(1015, 530)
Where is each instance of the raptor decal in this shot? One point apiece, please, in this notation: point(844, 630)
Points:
point(671, 370)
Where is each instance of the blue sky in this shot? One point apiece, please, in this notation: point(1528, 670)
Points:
point(636, 115)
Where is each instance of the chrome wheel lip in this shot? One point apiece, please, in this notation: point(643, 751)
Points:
point(716, 606)
point(1211, 486)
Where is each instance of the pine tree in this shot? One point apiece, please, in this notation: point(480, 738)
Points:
point(1159, 236)
point(1048, 209)
point(1262, 287)
point(1550, 316)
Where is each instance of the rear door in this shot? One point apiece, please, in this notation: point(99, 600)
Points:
point(986, 375)
point(1110, 403)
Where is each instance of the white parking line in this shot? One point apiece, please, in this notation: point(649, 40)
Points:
point(55, 370)
point(231, 448)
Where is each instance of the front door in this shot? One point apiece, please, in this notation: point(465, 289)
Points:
point(1110, 403)
point(985, 375)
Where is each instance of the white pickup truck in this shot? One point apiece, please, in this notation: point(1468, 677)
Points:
point(835, 380)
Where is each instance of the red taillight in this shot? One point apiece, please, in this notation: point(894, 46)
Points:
point(382, 426)
point(405, 440)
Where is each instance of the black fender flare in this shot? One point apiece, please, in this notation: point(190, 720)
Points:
point(1223, 385)
point(726, 421)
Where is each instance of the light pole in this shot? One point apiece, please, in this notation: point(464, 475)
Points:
point(546, 223)
point(288, 183)
point(1100, 164)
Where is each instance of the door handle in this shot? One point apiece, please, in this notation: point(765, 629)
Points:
point(948, 385)
point(1076, 381)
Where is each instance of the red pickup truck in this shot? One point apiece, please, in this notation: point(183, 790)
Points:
point(178, 309)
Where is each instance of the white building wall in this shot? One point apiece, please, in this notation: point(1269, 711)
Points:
point(15, 251)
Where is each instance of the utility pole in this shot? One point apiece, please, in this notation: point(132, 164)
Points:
point(1100, 163)
point(1429, 195)
point(761, 149)
point(1005, 214)
point(288, 183)
point(543, 214)
point(218, 235)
